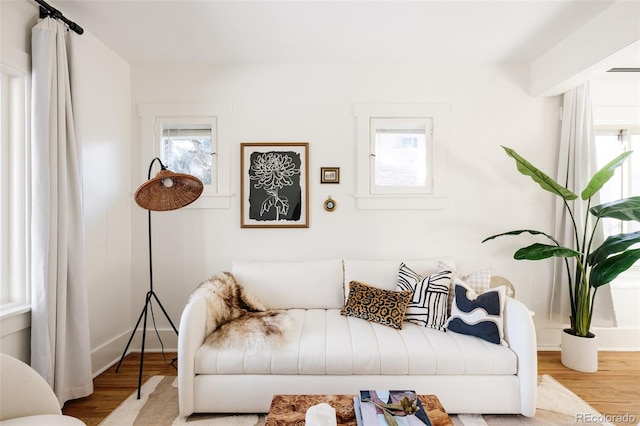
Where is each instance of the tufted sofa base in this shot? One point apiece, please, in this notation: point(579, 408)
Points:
point(458, 394)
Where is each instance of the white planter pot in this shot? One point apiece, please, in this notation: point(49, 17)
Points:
point(579, 353)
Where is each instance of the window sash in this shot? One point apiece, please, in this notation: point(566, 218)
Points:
point(396, 167)
point(195, 135)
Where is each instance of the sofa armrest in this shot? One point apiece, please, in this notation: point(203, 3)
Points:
point(520, 333)
point(190, 338)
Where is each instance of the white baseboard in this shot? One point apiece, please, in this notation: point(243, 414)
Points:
point(610, 338)
point(103, 357)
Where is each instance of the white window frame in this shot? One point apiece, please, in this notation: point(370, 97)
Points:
point(217, 195)
point(433, 197)
point(15, 202)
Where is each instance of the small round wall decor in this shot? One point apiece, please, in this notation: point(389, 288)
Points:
point(330, 204)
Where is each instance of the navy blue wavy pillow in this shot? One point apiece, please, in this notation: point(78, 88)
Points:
point(478, 315)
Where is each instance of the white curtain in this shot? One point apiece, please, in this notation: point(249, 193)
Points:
point(576, 166)
point(60, 346)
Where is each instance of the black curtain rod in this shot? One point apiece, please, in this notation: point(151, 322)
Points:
point(48, 10)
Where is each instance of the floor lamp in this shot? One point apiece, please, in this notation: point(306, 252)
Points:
point(166, 191)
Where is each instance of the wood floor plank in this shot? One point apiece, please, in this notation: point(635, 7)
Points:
point(614, 390)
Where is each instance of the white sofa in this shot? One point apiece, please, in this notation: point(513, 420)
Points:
point(328, 353)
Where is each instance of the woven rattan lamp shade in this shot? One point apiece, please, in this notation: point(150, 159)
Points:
point(155, 195)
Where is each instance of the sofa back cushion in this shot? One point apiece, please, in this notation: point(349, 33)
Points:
point(284, 285)
point(384, 273)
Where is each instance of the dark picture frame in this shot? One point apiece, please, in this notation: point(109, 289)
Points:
point(330, 175)
point(274, 185)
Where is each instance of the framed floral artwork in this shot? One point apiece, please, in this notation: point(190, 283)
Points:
point(274, 185)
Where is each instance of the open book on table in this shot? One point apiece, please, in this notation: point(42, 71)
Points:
point(370, 407)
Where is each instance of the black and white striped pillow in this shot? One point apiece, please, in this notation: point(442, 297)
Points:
point(479, 315)
point(428, 305)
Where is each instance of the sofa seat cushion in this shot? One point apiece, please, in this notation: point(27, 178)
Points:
point(323, 342)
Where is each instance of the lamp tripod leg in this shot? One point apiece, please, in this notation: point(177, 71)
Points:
point(143, 315)
point(144, 311)
point(164, 312)
point(144, 338)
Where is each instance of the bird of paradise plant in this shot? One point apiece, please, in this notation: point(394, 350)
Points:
point(593, 267)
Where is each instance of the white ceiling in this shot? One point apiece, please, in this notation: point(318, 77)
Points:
point(427, 31)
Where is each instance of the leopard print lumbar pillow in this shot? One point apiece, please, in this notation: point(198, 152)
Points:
point(373, 304)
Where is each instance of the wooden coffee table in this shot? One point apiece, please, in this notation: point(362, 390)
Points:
point(290, 410)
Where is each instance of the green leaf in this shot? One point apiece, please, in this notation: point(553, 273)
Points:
point(522, 231)
point(613, 244)
point(392, 406)
point(389, 418)
point(607, 270)
point(539, 251)
point(539, 177)
point(603, 175)
point(624, 209)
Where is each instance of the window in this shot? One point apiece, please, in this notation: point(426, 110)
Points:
point(188, 146)
point(192, 139)
point(401, 156)
point(626, 181)
point(13, 190)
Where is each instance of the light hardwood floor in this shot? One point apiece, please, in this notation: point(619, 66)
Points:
point(614, 390)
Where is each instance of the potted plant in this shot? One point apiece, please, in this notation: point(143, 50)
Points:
point(593, 267)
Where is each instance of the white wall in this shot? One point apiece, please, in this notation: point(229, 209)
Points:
point(17, 18)
point(489, 107)
point(101, 89)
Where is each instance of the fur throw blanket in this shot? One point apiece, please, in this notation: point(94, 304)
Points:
point(236, 318)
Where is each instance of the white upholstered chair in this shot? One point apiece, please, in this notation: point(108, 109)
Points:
point(27, 399)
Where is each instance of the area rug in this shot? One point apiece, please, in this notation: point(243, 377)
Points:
point(556, 405)
point(158, 406)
